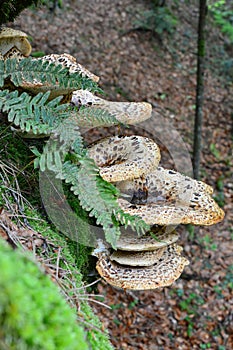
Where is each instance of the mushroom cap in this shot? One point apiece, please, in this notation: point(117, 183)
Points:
point(125, 112)
point(163, 273)
point(161, 237)
point(144, 258)
point(125, 157)
point(6, 32)
point(174, 199)
point(10, 38)
point(70, 62)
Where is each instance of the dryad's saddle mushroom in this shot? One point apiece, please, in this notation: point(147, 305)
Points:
point(170, 199)
point(159, 196)
point(127, 157)
point(162, 269)
point(13, 42)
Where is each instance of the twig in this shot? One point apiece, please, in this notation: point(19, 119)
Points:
point(58, 259)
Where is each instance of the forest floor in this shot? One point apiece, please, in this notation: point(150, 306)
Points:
point(139, 65)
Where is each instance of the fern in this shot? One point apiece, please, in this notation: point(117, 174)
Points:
point(95, 117)
point(33, 114)
point(99, 198)
point(40, 116)
point(96, 196)
point(134, 221)
point(36, 70)
point(69, 134)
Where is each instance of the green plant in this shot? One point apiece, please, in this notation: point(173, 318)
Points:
point(205, 346)
point(10, 9)
point(190, 326)
point(208, 242)
point(52, 4)
point(191, 232)
point(132, 304)
point(117, 306)
point(189, 304)
point(65, 154)
point(222, 13)
point(215, 151)
point(220, 196)
point(158, 20)
point(71, 259)
point(28, 320)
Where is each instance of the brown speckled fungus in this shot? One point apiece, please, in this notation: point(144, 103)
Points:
point(166, 266)
point(12, 40)
point(172, 198)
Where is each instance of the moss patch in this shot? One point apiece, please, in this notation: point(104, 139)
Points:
point(33, 315)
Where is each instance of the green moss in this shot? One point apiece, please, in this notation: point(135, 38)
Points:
point(33, 315)
point(74, 252)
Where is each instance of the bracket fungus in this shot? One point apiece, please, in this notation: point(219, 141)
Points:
point(125, 157)
point(125, 112)
point(159, 237)
point(161, 197)
point(163, 271)
point(173, 199)
point(13, 41)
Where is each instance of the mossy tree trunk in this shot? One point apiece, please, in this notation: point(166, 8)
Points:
point(199, 88)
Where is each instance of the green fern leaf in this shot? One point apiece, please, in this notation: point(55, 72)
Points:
point(33, 114)
point(94, 117)
point(46, 73)
point(134, 221)
point(89, 187)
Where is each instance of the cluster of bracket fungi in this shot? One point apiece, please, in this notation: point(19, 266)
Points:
point(162, 198)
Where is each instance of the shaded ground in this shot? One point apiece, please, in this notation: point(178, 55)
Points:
point(196, 313)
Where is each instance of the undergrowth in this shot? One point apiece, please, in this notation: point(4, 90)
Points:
point(74, 257)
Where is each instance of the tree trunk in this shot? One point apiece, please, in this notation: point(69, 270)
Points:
point(199, 88)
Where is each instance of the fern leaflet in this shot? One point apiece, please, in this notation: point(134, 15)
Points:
point(33, 114)
point(37, 71)
point(94, 117)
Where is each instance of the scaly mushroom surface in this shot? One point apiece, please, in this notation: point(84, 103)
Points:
point(125, 112)
point(174, 199)
point(145, 258)
point(11, 39)
point(126, 157)
point(158, 238)
point(163, 272)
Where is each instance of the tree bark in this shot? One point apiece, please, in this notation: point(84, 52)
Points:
point(199, 88)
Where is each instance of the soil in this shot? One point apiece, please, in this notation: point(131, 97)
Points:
point(140, 65)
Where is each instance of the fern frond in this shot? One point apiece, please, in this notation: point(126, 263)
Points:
point(94, 117)
point(69, 134)
point(95, 195)
point(134, 221)
point(52, 157)
point(48, 74)
point(34, 114)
